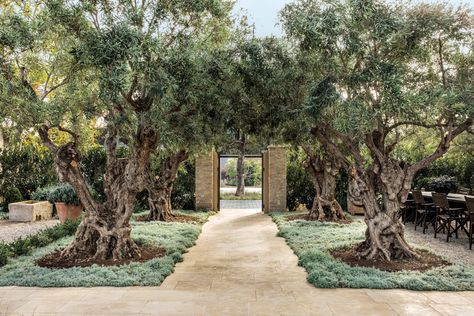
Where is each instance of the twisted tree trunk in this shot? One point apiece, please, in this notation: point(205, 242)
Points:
point(353, 195)
point(240, 166)
point(323, 172)
point(385, 232)
point(385, 237)
point(393, 178)
point(104, 233)
point(160, 191)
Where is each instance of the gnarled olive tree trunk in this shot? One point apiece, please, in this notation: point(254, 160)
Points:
point(160, 190)
point(104, 233)
point(323, 171)
point(385, 232)
point(240, 165)
point(385, 237)
point(394, 178)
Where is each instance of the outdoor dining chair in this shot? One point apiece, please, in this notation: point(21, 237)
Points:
point(423, 211)
point(446, 215)
point(470, 209)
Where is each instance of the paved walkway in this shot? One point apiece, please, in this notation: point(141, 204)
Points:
point(241, 204)
point(238, 267)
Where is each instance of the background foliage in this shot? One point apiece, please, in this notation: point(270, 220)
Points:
point(23, 169)
point(252, 172)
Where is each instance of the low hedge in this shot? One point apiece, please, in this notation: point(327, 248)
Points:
point(24, 246)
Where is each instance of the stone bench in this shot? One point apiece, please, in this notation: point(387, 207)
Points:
point(30, 211)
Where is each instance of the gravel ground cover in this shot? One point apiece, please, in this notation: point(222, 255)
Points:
point(456, 250)
point(11, 231)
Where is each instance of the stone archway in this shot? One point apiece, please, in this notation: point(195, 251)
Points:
point(274, 191)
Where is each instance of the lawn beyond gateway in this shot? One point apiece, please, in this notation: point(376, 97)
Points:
point(312, 242)
point(173, 237)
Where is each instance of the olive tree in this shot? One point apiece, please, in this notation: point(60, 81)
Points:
point(198, 82)
point(115, 55)
point(379, 71)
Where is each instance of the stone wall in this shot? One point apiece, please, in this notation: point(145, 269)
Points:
point(274, 180)
point(206, 185)
point(275, 165)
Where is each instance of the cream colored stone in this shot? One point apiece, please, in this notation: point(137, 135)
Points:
point(274, 183)
point(205, 181)
point(443, 298)
point(454, 309)
point(262, 279)
point(362, 308)
point(414, 309)
point(30, 211)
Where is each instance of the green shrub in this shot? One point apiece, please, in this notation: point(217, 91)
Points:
point(41, 194)
point(24, 169)
point(62, 192)
point(21, 246)
point(40, 240)
point(341, 188)
point(11, 195)
point(4, 254)
point(300, 188)
point(444, 184)
point(93, 166)
point(248, 196)
point(421, 183)
point(182, 196)
point(252, 171)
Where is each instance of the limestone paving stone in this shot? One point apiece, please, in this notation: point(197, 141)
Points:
point(238, 267)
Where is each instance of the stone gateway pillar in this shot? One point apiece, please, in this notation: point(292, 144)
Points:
point(206, 181)
point(274, 178)
point(274, 163)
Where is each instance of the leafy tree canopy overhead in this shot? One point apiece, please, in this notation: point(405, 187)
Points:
point(373, 63)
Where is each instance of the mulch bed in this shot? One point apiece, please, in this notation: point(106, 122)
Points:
point(174, 219)
point(427, 261)
point(54, 261)
point(306, 217)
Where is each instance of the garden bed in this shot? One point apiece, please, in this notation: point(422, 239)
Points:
point(306, 217)
point(173, 238)
point(54, 261)
point(425, 262)
point(313, 241)
point(179, 217)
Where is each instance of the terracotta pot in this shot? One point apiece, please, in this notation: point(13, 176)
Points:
point(68, 211)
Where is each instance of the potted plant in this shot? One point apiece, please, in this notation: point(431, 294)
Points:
point(63, 196)
point(444, 184)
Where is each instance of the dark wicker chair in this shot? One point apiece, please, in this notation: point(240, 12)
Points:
point(423, 211)
point(470, 209)
point(446, 216)
point(407, 211)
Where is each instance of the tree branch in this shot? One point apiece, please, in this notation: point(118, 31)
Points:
point(443, 146)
